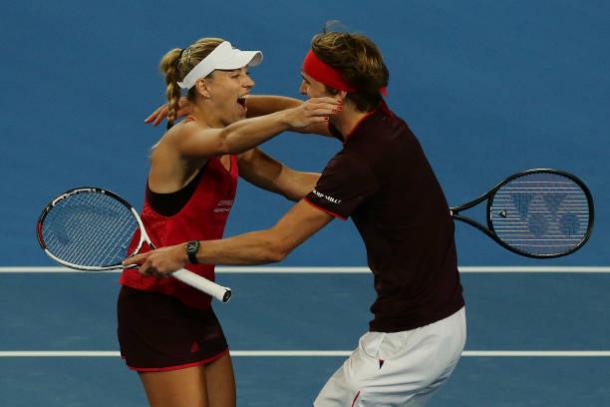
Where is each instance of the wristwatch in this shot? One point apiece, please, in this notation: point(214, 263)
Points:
point(192, 248)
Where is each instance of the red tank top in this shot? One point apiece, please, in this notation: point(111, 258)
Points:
point(203, 217)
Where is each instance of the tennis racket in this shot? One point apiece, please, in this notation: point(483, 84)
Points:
point(91, 229)
point(538, 213)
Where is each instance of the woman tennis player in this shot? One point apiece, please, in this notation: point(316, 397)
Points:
point(383, 181)
point(167, 330)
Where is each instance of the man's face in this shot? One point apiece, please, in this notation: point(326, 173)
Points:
point(312, 88)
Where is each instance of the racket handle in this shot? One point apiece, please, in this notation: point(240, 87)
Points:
point(222, 294)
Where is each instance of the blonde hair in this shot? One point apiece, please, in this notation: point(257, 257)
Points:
point(360, 63)
point(176, 64)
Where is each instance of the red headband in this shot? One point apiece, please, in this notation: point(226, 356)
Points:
point(322, 72)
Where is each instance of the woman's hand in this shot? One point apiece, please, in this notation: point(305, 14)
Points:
point(156, 117)
point(314, 110)
point(161, 262)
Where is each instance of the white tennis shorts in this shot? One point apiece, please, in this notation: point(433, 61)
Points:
point(398, 368)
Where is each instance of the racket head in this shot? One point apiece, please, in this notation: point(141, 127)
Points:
point(89, 228)
point(541, 213)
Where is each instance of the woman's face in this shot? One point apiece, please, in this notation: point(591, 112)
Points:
point(227, 90)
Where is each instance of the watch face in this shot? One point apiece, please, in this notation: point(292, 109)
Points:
point(193, 245)
point(192, 248)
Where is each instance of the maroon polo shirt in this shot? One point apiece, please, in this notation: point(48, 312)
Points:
point(383, 181)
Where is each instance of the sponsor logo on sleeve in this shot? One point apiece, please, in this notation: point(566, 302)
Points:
point(328, 198)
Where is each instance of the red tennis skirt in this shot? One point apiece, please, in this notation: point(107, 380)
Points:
point(158, 333)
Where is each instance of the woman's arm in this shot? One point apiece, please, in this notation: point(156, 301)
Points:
point(265, 172)
point(264, 104)
point(193, 140)
point(257, 105)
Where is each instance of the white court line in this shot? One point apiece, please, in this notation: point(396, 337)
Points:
point(309, 353)
point(332, 270)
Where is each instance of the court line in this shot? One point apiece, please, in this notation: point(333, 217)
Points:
point(332, 270)
point(310, 353)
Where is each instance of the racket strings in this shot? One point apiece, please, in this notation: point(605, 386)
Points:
point(89, 229)
point(541, 214)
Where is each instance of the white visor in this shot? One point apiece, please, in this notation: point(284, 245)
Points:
point(223, 57)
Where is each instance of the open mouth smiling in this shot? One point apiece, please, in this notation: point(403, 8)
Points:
point(242, 101)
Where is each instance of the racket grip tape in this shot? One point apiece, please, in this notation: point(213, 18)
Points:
point(222, 294)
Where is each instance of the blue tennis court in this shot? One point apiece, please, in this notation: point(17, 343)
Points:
point(489, 88)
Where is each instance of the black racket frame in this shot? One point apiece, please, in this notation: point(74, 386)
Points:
point(489, 230)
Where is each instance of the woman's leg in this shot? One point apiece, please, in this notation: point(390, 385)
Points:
point(176, 388)
point(211, 385)
point(220, 382)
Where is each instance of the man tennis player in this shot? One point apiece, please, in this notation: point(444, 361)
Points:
point(383, 181)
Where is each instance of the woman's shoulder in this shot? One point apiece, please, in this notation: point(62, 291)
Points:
point(181, 131)
point(188, 125)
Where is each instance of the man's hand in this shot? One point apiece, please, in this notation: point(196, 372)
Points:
point(184, 109)
point(161, 262)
